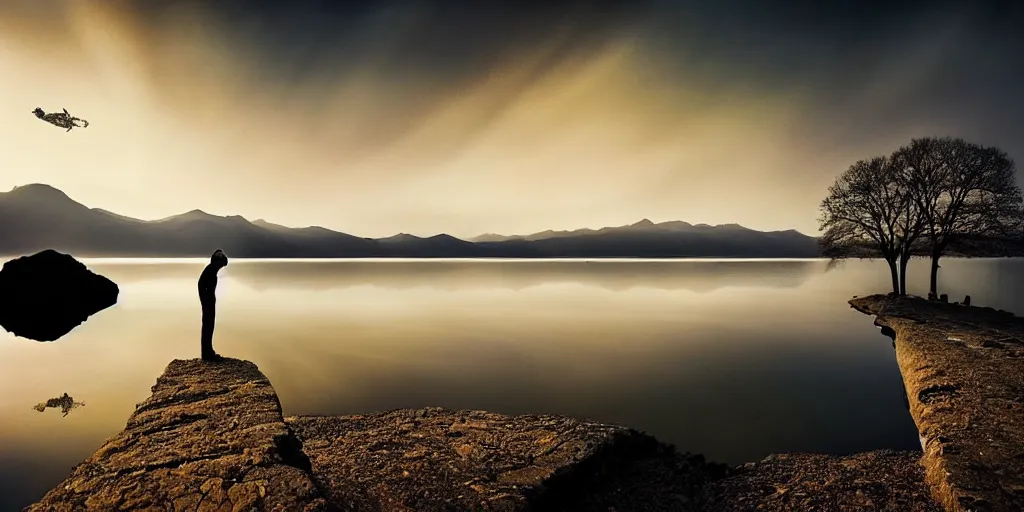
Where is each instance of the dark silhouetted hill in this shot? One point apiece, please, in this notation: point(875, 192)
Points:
point(38, 217)
point(644, 226)
point(645, 239)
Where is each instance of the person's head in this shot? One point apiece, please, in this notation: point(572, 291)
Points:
point(219, 258)
point(39, 112)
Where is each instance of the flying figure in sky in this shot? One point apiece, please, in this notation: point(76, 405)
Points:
point(63, 120)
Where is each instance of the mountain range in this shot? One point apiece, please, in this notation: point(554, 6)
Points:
point(36, 217)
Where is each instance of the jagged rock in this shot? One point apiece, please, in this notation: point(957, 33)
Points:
point(436, 459)
point(46, 295)
point(967, 300)
point(210, 438)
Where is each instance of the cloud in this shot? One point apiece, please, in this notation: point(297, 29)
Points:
point(375, 117)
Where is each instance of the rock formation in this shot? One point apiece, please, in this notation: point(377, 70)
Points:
point(963, 369)
point(46, 295)
point(437, 459)
point(211, 438)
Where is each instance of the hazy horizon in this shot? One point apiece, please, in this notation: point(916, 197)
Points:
point(380, 117)
point(399, 233)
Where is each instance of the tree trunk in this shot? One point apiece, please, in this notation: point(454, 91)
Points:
point(904, 260)
point(894, 274)
point(933, 283)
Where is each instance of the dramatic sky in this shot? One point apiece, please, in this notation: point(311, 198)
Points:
point(501, 116)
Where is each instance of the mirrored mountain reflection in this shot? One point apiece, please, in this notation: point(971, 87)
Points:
point(64, 402)
point(699, 276)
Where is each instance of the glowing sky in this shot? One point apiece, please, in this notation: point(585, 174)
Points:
point(513, 117)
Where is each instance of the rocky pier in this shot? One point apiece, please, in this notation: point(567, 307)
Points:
point(963, 369)
point(210, 438)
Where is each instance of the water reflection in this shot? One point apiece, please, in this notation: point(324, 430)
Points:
point(732, 359)
point(614, 275)
point(64, 402)
point(888, 332)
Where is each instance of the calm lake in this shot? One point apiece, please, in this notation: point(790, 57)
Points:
point(734, 359)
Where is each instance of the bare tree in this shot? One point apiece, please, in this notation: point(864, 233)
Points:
point(909, 228)
point(917, 169)
point(962, 191)
point(868, 213)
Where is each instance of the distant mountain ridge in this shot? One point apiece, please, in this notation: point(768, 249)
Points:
point(676, 226)
point(36, 217)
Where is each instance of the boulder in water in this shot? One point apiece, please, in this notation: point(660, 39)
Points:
point(46, 295)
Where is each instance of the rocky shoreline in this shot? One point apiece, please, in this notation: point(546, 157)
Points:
point(872, 481)
point(212, 437)
point(437, 459)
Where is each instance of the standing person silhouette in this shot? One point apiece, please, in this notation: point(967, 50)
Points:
point(208, 300)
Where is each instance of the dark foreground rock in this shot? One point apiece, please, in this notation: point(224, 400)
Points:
point(210, 438)
point(873, 481)
point(440, 460)
point(46, 295)
point(963, 369)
